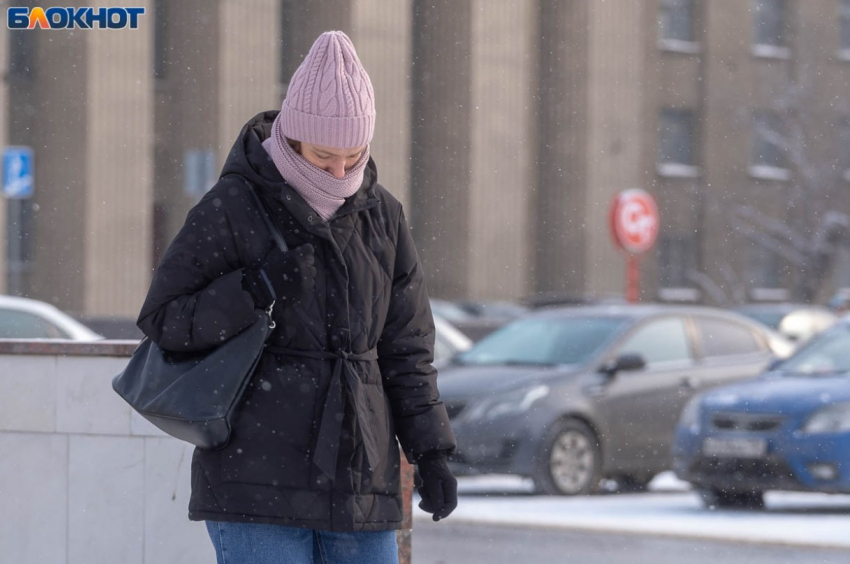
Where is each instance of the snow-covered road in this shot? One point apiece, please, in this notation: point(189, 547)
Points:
point(668, 509)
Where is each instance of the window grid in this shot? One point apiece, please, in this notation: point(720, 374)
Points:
point(676, 257)
point(675, 20)
point(769, 23)
point(676, 137)
point(767, 148)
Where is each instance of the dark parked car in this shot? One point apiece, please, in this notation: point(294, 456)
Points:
point(789, 430)
point(568, 396)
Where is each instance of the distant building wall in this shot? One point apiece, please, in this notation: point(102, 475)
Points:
point(118, 202)
point(502, 148)
point(615, 121)
point(249, 60)
point(441, 140)
point(381, 31)
point(505, 128)
point(559, 234)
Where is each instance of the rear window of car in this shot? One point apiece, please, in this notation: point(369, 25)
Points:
point(720, 338)
point(659, 341)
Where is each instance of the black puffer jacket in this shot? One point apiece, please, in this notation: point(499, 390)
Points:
point(369, 302)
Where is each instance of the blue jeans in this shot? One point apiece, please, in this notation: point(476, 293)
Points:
point(254, 543)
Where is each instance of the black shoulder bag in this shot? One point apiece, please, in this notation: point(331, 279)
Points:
point(192, 396)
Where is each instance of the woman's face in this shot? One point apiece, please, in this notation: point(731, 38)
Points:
point(330, 159)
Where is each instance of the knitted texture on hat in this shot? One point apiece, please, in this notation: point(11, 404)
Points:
point(330, 100)
point(323, 191)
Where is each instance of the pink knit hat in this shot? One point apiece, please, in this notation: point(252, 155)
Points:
point(330, 101)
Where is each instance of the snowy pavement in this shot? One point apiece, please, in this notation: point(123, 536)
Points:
point(668, 509)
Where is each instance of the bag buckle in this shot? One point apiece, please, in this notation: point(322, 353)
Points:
point(272, 323)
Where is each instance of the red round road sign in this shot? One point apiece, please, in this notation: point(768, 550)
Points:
point(634, 221)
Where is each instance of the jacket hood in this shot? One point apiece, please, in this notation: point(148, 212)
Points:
point(248, 158)
point(776, 393)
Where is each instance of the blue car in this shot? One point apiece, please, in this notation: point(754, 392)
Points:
point(787, 430)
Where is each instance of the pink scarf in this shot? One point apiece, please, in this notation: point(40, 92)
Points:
point(323, 191)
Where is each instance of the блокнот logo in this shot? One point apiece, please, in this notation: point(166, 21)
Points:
point(73, 18)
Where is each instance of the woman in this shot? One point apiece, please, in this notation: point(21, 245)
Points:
point(311, 472)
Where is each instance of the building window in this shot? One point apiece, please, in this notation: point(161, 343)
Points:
point(676, 259)
point(676, 25)
point(844, 24)
point(676, 143)
point(842, 268)
point(767, 149)
point(762, 271)
point(160, 40)
point(770, 28)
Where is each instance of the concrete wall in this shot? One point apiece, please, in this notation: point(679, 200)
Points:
point(83, 478)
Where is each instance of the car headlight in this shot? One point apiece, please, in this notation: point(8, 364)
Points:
point(690, 417)
point(512, 403)
point(832, 419)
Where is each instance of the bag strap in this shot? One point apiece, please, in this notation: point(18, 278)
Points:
point(264, 213)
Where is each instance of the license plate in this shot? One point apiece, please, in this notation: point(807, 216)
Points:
point(735, 447)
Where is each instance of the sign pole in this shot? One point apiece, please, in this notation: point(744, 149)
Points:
point(632, 278)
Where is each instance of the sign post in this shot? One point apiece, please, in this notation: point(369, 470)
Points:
point(18, 187)
point(634, 227)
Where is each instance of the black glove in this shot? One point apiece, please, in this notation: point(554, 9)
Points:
point(436, 486)
point(282, 276)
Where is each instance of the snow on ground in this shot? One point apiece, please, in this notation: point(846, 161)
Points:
point(669, 509)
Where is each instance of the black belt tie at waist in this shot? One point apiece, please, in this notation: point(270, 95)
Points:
point(327, 442)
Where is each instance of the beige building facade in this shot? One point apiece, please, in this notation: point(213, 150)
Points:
point(504, 126)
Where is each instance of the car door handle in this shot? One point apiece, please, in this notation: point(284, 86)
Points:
point(689, 383)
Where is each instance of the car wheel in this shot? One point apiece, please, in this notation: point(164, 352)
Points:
point(570, 461)
point(717, 499)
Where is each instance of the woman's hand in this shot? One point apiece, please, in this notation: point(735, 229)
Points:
point(436, 486)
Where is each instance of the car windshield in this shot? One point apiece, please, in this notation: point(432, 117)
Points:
point(545, 341)
point(828, 354)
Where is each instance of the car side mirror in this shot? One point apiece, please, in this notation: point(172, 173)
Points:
point(624, 362)
point(774, 364)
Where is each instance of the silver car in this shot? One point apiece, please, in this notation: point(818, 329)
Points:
point(23, 318)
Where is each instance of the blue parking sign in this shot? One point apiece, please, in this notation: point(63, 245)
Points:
point(17, 172)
